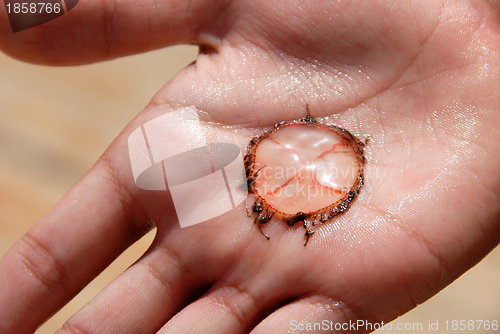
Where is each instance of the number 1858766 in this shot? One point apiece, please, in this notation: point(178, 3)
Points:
point(33, 8)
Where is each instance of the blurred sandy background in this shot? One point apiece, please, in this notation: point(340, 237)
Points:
point(56, 122)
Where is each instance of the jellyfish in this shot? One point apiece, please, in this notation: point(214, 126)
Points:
point(303, 172)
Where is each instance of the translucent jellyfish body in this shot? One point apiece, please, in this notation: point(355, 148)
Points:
point(303, 172)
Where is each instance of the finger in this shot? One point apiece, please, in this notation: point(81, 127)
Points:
point(168, 277)
point(104, 29)
point(314, 315)
point(88, 228)
point(141, 299)
point(224, 309)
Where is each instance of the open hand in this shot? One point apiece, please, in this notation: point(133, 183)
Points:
point(421, 80)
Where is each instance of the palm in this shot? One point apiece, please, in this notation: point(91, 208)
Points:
point(420, 82)
point(409, 88)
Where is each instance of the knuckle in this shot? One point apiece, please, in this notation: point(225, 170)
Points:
point(109, 20)
point(71, 328)
point(40, 263)
point(231, 300)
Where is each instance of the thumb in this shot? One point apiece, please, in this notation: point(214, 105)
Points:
point(97, 30)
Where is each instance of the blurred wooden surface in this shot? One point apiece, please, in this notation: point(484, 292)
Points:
point(54, 124)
